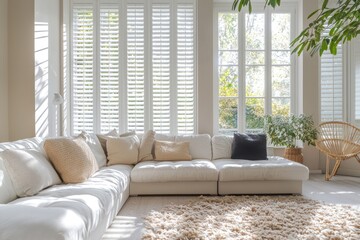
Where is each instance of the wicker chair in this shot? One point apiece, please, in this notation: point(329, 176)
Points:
point(339, 141)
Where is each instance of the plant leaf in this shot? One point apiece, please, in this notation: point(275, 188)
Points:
point(324, 4)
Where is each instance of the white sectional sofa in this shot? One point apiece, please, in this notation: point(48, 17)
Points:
point(85, 210)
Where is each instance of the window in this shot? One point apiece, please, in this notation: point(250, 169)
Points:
point(133, 66)
point(254, 68)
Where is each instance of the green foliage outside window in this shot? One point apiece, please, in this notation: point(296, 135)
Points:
point(343, 20)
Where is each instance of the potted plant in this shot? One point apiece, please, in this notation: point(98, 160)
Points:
point(288, 130)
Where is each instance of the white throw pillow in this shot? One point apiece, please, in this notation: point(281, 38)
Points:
point(123, 150)
point(95, 146)
point(29, 170)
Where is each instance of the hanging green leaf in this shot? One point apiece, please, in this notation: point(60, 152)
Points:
point(342, 21)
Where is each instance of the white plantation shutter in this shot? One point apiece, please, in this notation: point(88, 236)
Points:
point(356, 77)
point(185, 68)
point(109, 68)
point(133, 60)
point(331, 89)
point(161, 67)
point(82, 69)
point(136, 67)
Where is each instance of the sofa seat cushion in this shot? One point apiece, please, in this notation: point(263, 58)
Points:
point(275, 168)
point(174, 171)
point(71, 211)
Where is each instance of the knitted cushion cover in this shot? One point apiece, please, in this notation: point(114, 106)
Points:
point(72, 159)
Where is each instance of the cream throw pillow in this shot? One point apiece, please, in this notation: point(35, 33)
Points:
point(146, 146)
point(171, 151)
point(124, 150)
point(29, 170)
point(72, 159)
point(112, 134)
point(103, 137)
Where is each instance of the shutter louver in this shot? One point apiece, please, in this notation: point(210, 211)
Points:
point(185, 68)
point(161, 68)
point(109, 69)
point(82, 69)
point(135, 67)
point(332, 86)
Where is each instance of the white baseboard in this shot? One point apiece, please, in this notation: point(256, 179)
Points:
point(349, 172)
point(315, 171)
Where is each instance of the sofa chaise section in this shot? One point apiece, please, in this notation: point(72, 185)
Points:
point(71, 211)
point(238, 176)
point(65, 211)
point(198, 176)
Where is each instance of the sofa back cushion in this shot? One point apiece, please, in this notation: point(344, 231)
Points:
point(199, 145)
point(164, 137)
point(7, 192)
point(221, 146)
point(30, 171)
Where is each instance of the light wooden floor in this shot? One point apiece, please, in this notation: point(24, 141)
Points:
point(129, 222)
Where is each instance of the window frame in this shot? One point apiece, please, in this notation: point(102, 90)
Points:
point(286, 7)
point(351, 59)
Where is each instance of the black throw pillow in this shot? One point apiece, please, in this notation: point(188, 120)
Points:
point(249, 146)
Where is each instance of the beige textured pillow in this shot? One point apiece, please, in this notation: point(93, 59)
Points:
point(146, 146)
point(112, 134)
point(103, 137)
point(172, 151)
point(124, 150)
point(72, 159)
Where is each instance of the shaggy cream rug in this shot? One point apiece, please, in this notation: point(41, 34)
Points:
point(253, 217)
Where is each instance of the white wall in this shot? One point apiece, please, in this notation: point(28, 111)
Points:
point(47, 66)
point(311, 91)
point(21, 69)
point(205, 66)
point(4, 124)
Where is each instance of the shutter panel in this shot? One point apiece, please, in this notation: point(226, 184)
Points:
point(331, 86)
point(109, 68)
point(356, 49)
point(331, 92)
point(82, 69)
point(185, 68)
point(135, 67)
point(161, 67)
